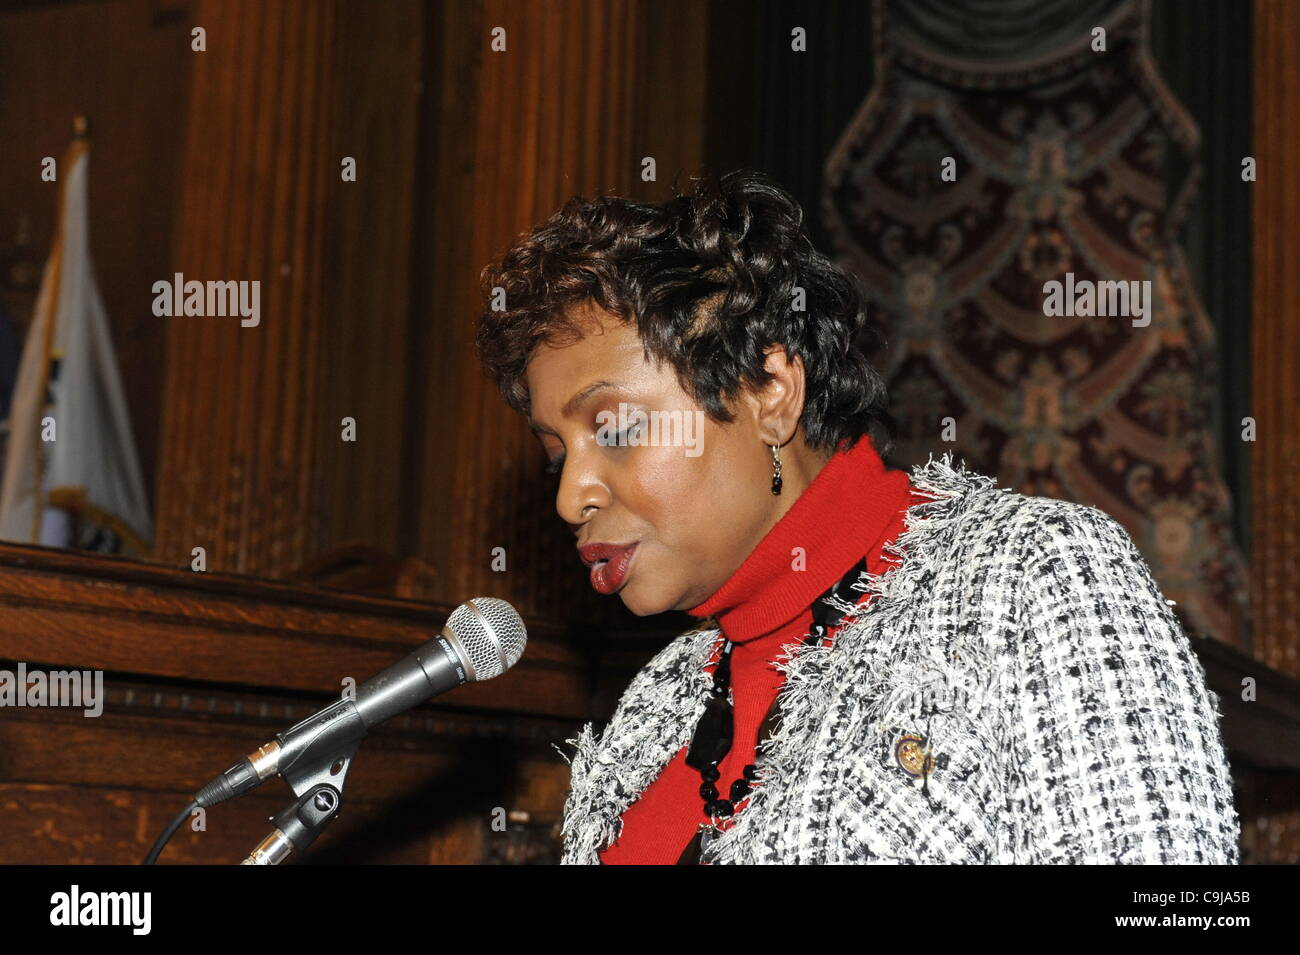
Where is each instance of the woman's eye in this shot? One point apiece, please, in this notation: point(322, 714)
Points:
point(556, 466)
point(624, 437)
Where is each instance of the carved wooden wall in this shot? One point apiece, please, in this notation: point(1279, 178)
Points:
point(369, 288)
point(1276, 341)
point(582, 93)
point(254, 467)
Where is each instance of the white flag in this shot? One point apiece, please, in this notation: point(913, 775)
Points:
point(70, 431)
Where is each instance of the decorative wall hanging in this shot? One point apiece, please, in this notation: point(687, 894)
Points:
point(1056, 133)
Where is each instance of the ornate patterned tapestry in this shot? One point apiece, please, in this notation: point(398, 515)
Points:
point(1061, 159)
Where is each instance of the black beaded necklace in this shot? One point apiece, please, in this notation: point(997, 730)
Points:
point(715, 730)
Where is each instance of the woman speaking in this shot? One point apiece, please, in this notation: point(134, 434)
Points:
point(889, 666)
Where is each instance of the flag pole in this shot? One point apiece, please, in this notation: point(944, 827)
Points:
point(80, 142)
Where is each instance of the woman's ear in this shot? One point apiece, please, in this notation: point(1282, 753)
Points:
point(777, 406)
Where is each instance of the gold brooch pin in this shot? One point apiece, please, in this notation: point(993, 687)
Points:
point(913, 757)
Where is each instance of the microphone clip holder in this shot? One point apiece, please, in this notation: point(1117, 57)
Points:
point(316, 773)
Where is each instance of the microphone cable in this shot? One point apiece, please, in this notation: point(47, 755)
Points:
point(169, 832)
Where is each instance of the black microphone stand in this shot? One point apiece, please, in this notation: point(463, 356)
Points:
point(318, 784)
point(297, 826)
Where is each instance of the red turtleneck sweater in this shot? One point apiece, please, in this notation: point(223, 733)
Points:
point(853, 507)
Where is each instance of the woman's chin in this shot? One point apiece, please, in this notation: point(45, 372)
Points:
point(640, 605)
point(637, 608)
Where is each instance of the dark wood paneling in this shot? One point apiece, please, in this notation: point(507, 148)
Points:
point(126, 71)
point(238, 472)
point(375, 96)
point(1276, 337)
point(584, 91)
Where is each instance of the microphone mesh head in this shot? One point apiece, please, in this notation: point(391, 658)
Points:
point(491, 633)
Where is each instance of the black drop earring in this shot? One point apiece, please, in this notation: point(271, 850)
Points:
point(776, 469)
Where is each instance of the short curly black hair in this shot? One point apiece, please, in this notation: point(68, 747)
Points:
point(712, 279)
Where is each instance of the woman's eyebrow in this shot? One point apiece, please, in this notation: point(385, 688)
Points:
point(573, 404)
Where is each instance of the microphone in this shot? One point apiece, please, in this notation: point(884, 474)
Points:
point(482, 639)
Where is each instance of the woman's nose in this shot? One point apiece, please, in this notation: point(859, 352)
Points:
point(582, 491)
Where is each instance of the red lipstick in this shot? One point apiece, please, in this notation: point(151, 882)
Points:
point(609, 564)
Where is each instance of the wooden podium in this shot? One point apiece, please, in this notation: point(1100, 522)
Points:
point(200, 669)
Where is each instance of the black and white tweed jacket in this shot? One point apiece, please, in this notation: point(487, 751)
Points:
point(1024, 641)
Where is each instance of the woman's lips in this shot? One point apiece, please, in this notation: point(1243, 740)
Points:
point(608, 575)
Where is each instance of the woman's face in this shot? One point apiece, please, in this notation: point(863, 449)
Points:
point(695, 505)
